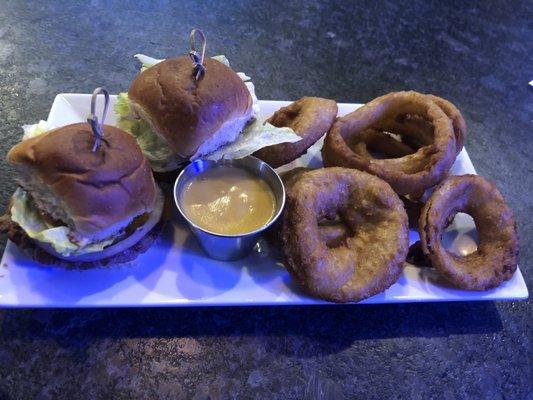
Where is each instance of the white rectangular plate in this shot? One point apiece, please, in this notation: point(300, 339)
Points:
point(175, 271)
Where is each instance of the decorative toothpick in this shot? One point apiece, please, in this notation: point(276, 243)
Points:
point(96, 125)
point(197, 60)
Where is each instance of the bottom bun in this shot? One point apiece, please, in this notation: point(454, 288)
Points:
point(121, 252)
point(17, 235)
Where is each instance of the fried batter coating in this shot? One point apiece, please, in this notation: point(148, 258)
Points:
point(458, 122)
point(421, 162)
point(418, 132)
point(310, 118)
point(496, 257)
point(372, 140)
point(370, 240)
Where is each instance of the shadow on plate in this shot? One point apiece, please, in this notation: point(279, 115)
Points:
point(201, 277)
point(265, 267)
point(55, 283)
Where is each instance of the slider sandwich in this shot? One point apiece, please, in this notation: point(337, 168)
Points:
point(189, 107)
point(86, 195)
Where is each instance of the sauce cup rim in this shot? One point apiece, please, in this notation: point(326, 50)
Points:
point(231, 162)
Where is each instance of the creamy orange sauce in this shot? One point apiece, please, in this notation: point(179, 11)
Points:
point(228, 200)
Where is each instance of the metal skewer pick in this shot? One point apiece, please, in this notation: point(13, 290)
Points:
point(197, 60)
point(98, 126)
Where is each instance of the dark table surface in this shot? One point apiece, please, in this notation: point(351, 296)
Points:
point(479, 56)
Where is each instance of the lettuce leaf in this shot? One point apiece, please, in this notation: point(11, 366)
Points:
point(147, 61)
point(34, 130)
point(255, 136)
point(24, 213)
point(161, 157)
point(222, 58)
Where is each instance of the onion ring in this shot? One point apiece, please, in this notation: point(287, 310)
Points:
point(415, 131)
point(495, 259)
point(418, 132)
point(365, 262)
point(310, 118)
point(408, 174)
point(372, 140)
point(458, 122)
point(332, 232)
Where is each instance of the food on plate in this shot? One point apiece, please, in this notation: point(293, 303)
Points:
point(190, 107)
point(495, 259)
point(418, 132)
point(188, 116)
point(229, 203)
point(354, 266)
point(458, 122)
point(374, 141)
point(310, 118)
point(273, 233)
point(85, 199)
point(405, 172)
point(413, 130)
point(228, 200)
point(332, 231)
point(290, 177)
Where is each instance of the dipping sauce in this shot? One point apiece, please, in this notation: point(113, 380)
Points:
point(228, 200)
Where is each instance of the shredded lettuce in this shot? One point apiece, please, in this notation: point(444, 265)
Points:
point(34, 130)
point(222, 58)
point(122, 106)
point(161, 157)
point(24, 213)
point(147, 61)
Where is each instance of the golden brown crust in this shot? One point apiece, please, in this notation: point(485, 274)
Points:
point(408, 174)
point(496, 257)
point(378, 141)
point(310, 118)
point(459, 124)
point(186, 112)
point(97, 189)
point(273, 233)
point(370, 259)
point(423, 129)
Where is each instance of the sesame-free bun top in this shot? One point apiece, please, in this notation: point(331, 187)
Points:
point(186, 112)
point(90, 191)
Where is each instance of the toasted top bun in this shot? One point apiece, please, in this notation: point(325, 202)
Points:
point(187, 113)
point(94, 193)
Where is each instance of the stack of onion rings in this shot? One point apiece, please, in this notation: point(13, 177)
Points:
point(433, 126)
point(495, 259)
point(363, 253)
point(345, 232)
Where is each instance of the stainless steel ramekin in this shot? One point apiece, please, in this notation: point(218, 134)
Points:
point(230, 247)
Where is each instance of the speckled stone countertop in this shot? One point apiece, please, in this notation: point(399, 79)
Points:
point(479, 56)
